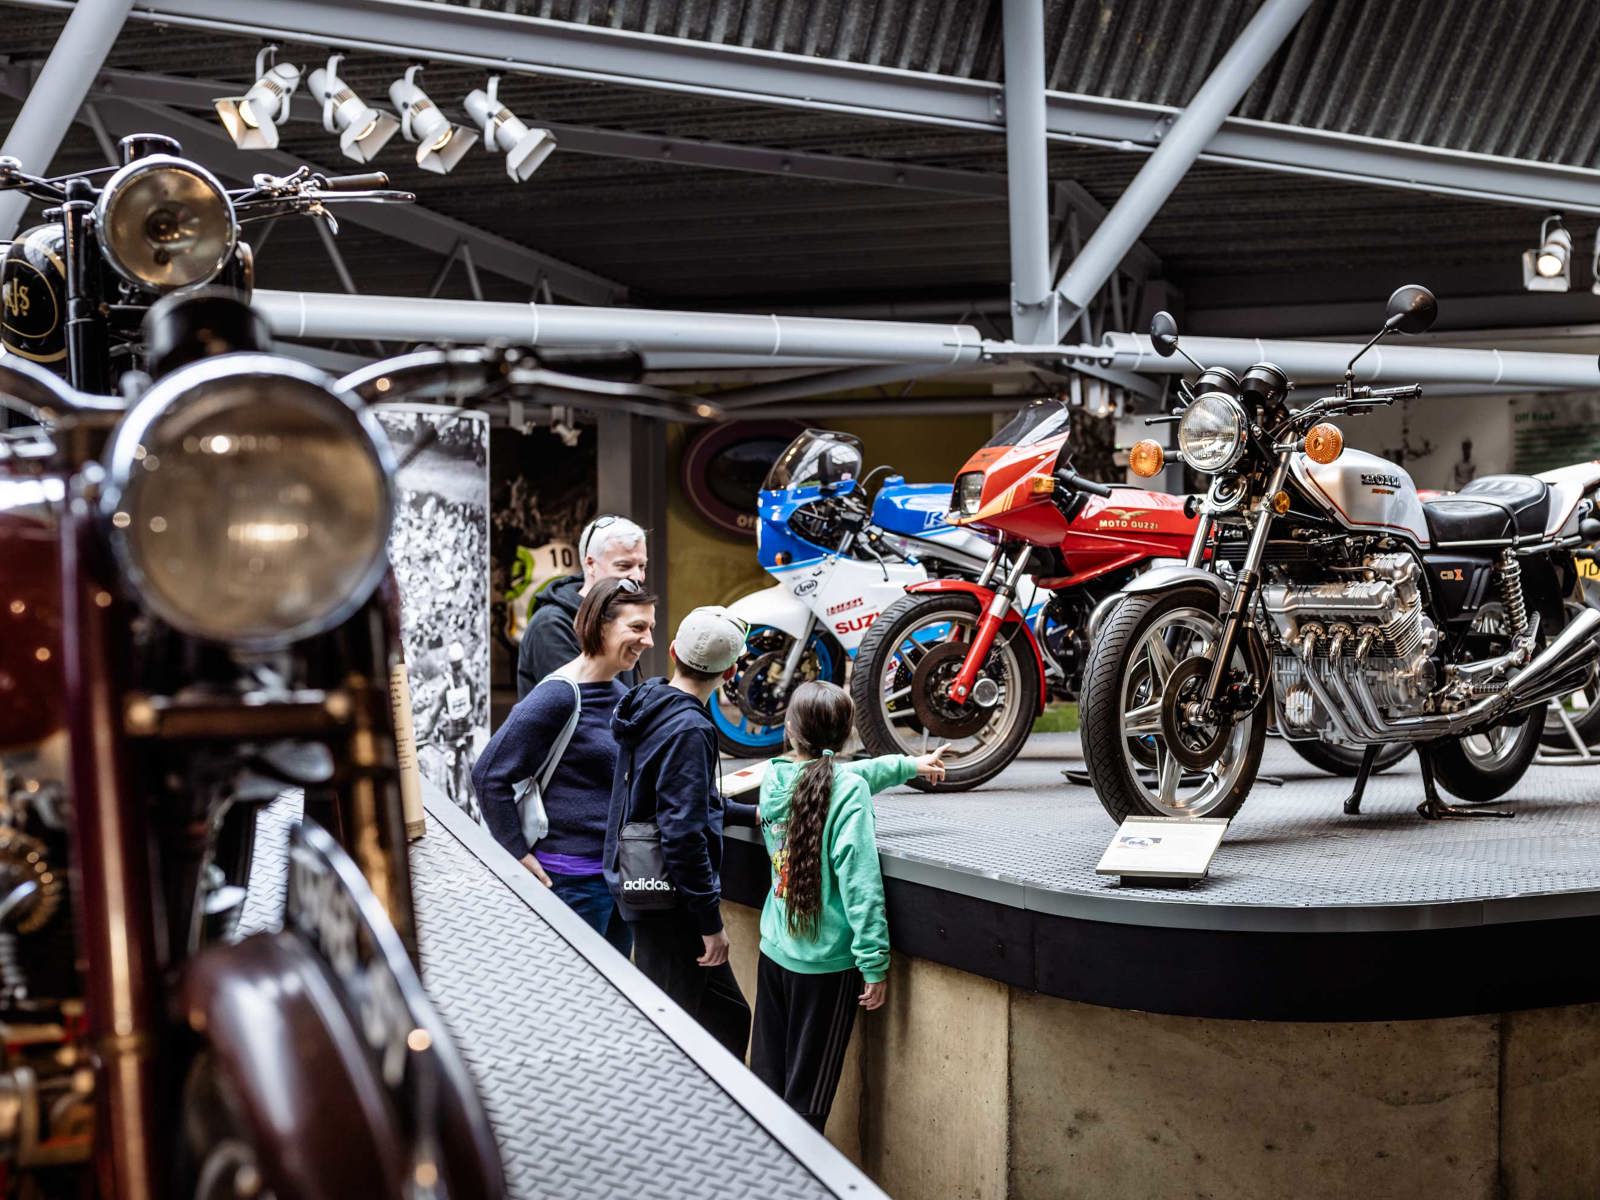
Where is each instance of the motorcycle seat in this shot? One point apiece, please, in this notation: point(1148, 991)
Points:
point(1496, 506)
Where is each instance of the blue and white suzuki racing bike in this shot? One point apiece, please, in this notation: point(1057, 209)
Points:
point(840, 554)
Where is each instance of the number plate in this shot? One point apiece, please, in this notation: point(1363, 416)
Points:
point(329, 904)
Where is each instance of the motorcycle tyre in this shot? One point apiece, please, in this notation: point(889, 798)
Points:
point(871, 723)
point(1100, 716)
point(1346, 760)
point(734, 748)
point(1456, 773)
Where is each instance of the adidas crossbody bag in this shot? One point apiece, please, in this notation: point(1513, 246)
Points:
point(641, 864)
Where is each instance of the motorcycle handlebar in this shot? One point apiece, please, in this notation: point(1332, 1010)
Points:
point(371, 181)
point(620, 364)
point(1068, 478)
point(1409, 391)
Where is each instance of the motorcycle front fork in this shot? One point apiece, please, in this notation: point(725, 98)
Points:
point(989, 624)
point(791, 661)
point(1244, 591)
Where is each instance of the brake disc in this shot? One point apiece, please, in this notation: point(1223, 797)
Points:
point(930, 694)
point(759, 698)
point(1196, 745)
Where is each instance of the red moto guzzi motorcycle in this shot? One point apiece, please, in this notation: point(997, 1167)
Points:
point(956, 660)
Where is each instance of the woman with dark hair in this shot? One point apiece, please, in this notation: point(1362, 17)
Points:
point(824, 933)
point(614, 625)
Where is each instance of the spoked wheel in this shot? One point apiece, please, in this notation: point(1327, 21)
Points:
point(1338, 759)
point(748, 709)
point(904, 669)
point(1145, 754)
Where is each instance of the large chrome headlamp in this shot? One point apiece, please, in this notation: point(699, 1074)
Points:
point(166, 223)
point(968, 493)
point(1211, 433)
point(248, 501)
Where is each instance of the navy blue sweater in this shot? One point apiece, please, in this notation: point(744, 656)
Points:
point(668, 737)
point(579, 795)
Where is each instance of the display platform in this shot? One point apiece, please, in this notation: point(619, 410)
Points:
point(597, 1085)
point(1307, 914)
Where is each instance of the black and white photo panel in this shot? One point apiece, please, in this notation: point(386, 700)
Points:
point(440, 550)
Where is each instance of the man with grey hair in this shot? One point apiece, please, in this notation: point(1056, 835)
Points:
point(609, 547)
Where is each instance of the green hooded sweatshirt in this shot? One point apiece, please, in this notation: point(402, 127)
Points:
point(852, 929)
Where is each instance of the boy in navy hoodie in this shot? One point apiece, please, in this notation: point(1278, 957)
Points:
point(667, 773)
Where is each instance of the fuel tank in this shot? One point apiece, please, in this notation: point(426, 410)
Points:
point(31, 684)
point(1366, 493)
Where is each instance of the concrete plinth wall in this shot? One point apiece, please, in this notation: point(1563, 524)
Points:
point(961, 1088)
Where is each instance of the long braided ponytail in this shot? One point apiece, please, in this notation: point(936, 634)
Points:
point(818, 724)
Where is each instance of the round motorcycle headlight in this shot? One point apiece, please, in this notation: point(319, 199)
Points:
point(166, 223)
point(248, 501)
point(1211, 433)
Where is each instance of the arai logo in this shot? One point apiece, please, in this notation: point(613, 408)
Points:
point(805, 587)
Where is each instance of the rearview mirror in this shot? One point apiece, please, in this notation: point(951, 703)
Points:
point(1412, 309)
point(1164, 333)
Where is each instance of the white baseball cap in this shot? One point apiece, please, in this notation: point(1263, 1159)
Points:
point(710, 639)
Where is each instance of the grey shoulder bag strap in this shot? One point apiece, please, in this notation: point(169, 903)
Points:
point(529, 794)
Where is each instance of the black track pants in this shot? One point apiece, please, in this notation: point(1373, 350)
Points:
point(665, 948)
point(803, 1025)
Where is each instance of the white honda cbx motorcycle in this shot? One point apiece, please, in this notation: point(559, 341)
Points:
point(1319, 583)
point(838, 558)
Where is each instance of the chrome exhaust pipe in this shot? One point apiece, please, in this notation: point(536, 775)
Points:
point(1575, 647)
point(1559, 668)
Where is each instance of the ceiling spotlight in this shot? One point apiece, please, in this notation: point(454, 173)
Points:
point(362, 129)
point(440, 145)
point(252, 119)
point(1549, 267)
point(524, 148)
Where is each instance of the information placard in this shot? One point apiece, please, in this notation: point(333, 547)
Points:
point(1156, 849)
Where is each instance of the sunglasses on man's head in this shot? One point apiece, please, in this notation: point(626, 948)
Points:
point(586, 538)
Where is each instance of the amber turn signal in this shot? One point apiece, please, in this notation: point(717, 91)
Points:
point(1146, 458)
point(1041, 485)
point(1280, 502)
point(1324, 443)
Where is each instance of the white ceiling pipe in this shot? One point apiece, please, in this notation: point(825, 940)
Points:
point(404, 318)
point(1390, 363)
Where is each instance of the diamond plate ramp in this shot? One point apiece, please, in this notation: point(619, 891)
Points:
point(597, 1085)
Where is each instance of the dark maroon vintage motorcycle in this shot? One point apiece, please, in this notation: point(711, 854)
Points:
point(197, 615)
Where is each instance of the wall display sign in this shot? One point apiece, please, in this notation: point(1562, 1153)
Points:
point(1554, 431)
point(723, 468)
point(1151, 851)
point(439, 547)
point(533, 569)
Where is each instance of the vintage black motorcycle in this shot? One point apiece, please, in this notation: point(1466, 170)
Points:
point(195, 598)
point(1320, 584)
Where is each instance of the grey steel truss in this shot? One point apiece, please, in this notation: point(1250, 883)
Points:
point(514, 43)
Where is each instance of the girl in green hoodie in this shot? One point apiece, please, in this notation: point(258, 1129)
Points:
point(824, 933)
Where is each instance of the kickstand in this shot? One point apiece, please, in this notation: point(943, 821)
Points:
point(1433, 808)
point(1352, 803)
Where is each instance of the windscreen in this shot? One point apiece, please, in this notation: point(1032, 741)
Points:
point(1039, 420)
point(800, 463)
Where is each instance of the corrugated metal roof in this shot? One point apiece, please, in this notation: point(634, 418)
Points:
point(1515, 78)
